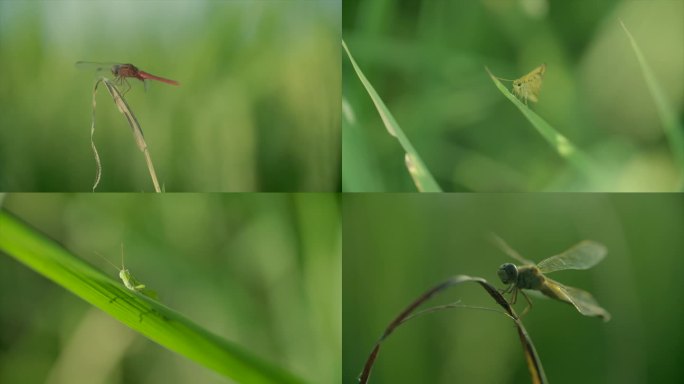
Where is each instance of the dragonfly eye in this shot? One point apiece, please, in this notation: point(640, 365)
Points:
point(508, 273)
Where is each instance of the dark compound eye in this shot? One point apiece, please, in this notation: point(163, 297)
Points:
point(508, 273)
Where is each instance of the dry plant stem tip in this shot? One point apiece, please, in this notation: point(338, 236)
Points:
point(125, 109)
point(532, 358)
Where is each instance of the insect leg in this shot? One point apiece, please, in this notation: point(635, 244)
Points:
point(514, 296)
point(128, 86)
point(529, 304)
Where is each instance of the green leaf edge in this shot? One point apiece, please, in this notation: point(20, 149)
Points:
point(564, 147)
point(668, 117)
point(422, 177)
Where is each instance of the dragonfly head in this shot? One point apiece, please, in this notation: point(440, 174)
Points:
point(508, 273)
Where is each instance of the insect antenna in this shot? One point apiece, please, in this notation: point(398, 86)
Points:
point(501, 78)
point(107, 260)
point(122, 258)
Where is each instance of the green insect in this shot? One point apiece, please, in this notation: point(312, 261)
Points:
point(127, 278)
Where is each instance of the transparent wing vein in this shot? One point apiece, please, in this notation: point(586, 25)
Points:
point(582, 300)
point(582, 256)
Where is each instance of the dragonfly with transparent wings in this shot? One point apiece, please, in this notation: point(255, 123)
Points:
point(531, 276)
point(123, 71)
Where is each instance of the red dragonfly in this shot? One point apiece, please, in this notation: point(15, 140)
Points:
point(124, 71)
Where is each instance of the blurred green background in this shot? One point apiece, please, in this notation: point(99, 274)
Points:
point(258, 108)
point(260, 270)
point(426, 59)
point(397, 246)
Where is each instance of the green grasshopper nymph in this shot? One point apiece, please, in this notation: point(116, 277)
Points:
point(127, 278)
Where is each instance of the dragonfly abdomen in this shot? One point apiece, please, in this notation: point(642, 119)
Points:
point(554, 293)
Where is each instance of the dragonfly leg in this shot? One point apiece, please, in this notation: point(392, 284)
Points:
point(529, 304)
point(128, 86)
point(507, 289)
point(121, 81)
point(514, 296)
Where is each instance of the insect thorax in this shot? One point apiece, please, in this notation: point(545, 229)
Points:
point(126, 277)
point(518, 88)
point(529, 277)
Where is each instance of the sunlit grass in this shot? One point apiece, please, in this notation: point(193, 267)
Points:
point(422, 177)
point(564, 147)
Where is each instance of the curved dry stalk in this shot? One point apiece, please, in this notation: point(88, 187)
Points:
point(126, 110)
point(92, 139)
point(534, 364)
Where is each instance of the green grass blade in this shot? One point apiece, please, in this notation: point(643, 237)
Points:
point(667, 115)
point(360, 172)
point(421, 175)
point(148, 317)
point(558, 141)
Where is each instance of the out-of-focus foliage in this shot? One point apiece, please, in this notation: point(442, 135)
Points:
point(262, 271)
point(427, 59)
point(258, 107)
point(414, 165)
point(398, 246)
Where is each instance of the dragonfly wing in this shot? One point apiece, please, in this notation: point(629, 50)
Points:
point(582, 256)
point(503, 246)
point(582, 300)
point(94, 65)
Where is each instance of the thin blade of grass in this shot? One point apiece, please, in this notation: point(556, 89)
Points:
point(673, 129)
point(567, 150)
point(359, 170)
point(142, 314)
point(534, 364)
point(417, 169)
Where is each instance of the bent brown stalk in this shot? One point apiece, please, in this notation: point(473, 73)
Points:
point(534, 364)
point(125, 109)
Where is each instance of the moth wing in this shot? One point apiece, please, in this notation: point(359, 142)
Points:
point(534, 82)
point(540, 70)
